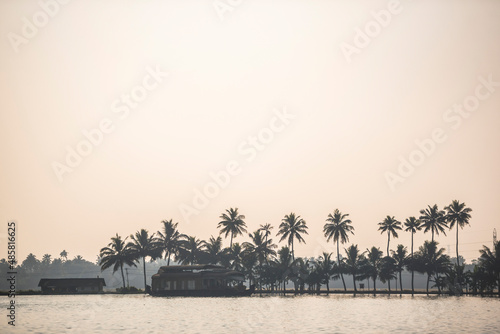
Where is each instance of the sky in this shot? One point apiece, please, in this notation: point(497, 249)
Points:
point(117, 115)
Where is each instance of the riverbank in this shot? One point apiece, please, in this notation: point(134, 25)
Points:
point(274, 293)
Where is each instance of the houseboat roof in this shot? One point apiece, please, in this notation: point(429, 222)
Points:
point(67, 282)
point(199, 270)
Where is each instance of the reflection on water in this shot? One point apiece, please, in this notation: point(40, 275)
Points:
point(300, 314)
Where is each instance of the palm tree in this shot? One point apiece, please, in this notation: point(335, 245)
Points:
point(389, 225)
point(374, 256)
point(353, 262)
point(459, 214)
point(232, 223)
point(400, 258)
point(434, 220)
point(266, 228)
point(325, 267)
point(213, 250)
point(64, 255)
point(170, 239)
point(46, 259)
point(387, 270)
point(116, 254)
point(338, 228)
point(260, 248)
point(490, 261)
point(145, 245)
point(235, 256)
point(431, 260)
point(412, 225)
point(291, 227)
point(191, 250)
point(284, 264)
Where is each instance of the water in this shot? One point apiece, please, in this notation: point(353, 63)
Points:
point(299, 314)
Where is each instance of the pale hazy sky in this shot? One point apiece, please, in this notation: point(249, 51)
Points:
point(228, 73)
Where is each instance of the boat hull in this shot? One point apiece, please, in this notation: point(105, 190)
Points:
point(201, 293)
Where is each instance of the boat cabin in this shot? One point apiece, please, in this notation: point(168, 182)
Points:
point(71, 285)
point(196, 279)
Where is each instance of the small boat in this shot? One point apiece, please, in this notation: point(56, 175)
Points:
point(200, 281)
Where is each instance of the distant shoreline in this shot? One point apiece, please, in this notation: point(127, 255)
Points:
point(268, 292)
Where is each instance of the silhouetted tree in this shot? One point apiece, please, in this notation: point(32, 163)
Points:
point(232, 224)
point(144, 245)
point(400, 261)
point(457, 214)
point(292, 227)
point(116, 254)
point(170, 239)
point(338, 228)
point(389, 225)
point(490, 261)
point(374, 257)
point(434, 220)
point(191, 250)
point(353, 263)
point(412, 225)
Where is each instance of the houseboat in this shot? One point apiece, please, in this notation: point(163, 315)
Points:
point(71, 285)
point(198, 280)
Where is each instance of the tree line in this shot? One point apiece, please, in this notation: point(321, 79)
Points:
point(270, 268)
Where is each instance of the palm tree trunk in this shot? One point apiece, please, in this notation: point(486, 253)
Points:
point(231, 243)
point(168, 259)
point(144, 268)
point(400, 282)
point(374, 285)
point(412, 272)
point(354, 282)
point(123, 276)
point(428, 279)
point(457, 246)
point(338, 264)
point(432, 239)
point(293, 254)
point(388, 241)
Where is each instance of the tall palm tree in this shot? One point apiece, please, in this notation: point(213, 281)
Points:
point(434, 220)
point(400, 258)
point(389, 225)
point(412, 225)
point(338, 228)
point(374, 256)
point(170, 239)
point(144, 245)
point(116, 254)
point(191, 250)
point(232, 224)
point(292, 227)
point(354, 261)
point(490, 261)
point(459, 214)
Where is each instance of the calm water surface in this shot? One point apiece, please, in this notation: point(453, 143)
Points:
point(301, 314)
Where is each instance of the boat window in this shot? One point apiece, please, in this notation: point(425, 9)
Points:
point(190, 285)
